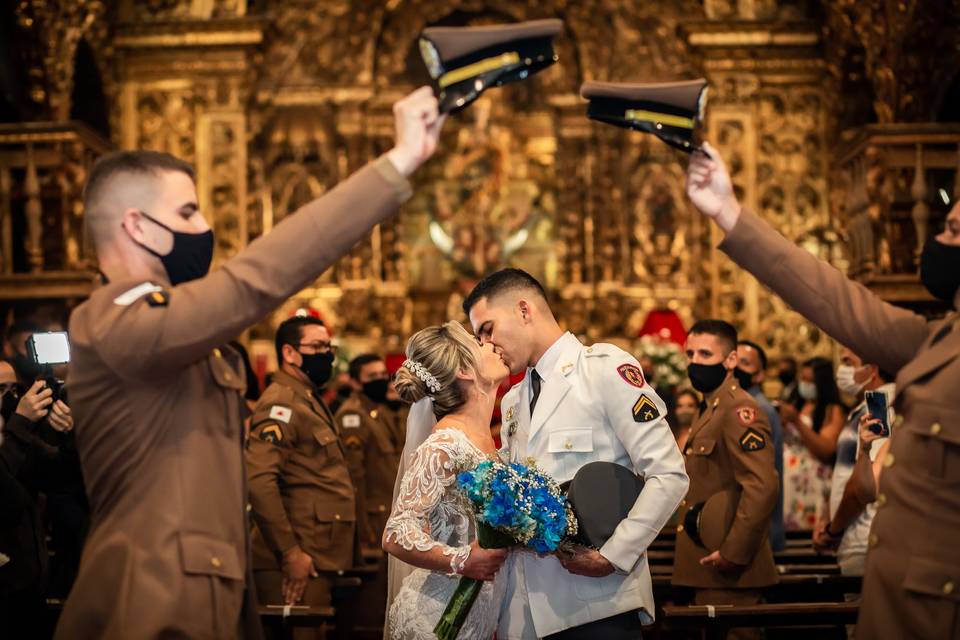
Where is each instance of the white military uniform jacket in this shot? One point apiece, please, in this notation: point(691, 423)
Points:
point(594, 404)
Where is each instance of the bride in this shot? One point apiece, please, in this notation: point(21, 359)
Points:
point(431, 534)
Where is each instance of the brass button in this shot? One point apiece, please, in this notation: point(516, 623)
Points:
point(590, 350)
point(216, 353)
point(716, 402)
point(679, 528)
point(568, 445)
point(249, 507)
point(215, 561)
point(702, 448)
point(374, 414)
point(381, 508)
point(683, 502)
point(872, 540)
point(688, 451)
point(881, 499)
point(888, 460)
point(948, 587)
point(935, 428)
point(336, 517)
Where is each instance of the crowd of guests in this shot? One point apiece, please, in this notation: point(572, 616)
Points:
point(816, 412)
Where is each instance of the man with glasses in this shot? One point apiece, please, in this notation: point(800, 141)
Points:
point(303, 501)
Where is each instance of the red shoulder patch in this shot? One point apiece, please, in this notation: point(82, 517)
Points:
point(632, 374)
point(746, 415)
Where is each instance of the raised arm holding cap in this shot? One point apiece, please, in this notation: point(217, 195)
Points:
point(158, 393)
point(910, 580)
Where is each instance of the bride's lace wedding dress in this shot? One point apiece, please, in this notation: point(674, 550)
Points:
point(430, 513)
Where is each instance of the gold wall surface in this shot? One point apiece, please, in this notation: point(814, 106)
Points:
point(275, 102)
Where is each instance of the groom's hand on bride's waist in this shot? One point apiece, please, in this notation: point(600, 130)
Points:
point(583, 561)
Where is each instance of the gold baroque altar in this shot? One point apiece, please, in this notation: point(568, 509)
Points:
point(275, 102)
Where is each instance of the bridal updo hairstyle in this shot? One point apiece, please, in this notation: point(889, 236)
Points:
point(443, 351)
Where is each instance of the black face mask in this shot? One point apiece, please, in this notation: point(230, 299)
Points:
point(786, 377)
point(376, 390)
point(318, 367)
point(190, 256)
point(940, 269)
point(9, 404)
point(705, 378)
point(744, 379)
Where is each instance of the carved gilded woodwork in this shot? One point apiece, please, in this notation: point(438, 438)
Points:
point(276, 102)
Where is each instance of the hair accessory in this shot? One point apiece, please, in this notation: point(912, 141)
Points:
point(422, 373)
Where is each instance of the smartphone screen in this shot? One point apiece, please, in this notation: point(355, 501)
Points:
point(51, 347)
point(877, 406)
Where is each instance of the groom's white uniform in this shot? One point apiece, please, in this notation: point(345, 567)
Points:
point(586, 412)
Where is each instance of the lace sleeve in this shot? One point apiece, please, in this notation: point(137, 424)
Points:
point(431, 472)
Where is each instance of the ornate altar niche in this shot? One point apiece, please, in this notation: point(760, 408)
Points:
point(276, 102)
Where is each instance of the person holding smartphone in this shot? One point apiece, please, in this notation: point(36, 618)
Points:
point(847, 528)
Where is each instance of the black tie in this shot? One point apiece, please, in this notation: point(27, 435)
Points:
point(535, 389)
point(942, 333)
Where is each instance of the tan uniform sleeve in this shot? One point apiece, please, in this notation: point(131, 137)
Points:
point(266, 455)
point(749, 440)
point(355, 447)
point(200, 315)
point(876, 331)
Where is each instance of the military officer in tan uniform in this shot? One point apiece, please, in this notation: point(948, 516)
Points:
point(722, 547)
point(374, 441)
point(302, 500)
point(157, 395)
point(911, 585)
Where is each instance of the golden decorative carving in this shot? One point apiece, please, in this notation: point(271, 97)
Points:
point(276, 106)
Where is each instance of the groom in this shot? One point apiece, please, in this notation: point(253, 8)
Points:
point(576, 405)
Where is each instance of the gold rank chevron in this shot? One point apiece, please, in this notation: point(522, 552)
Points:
point(476, 68)
point(639, 115)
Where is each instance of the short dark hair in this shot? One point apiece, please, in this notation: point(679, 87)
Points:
point(362, 360)
point(501, 282)
point(290, 332)
point(130, 162)
point(760, 352)
point(719, 328)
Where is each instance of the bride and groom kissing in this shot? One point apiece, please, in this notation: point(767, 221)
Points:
point(575, 405)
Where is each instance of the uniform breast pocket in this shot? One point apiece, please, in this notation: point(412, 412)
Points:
point(327, 443)
point(931, 444)
point(702, 447)
point(573, 448)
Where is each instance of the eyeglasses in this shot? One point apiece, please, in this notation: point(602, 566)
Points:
point(320, 347)
point(8, 387)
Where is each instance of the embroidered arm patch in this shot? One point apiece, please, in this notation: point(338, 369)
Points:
point(271, 432)
point(752, 440)
point(645, 410)
point(632, 374)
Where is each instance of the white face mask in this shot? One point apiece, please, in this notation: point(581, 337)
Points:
point(807, 390)
point(846, 380)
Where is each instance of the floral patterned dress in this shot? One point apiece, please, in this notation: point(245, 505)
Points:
point(806, 483)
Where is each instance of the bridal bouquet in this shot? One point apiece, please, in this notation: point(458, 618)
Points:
point(514, 505)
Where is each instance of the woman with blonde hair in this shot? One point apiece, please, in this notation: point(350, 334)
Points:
point(431, 539)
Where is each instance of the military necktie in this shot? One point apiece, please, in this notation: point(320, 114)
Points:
point(534, 389)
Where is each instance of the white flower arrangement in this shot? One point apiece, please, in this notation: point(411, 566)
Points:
point(669, 362)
